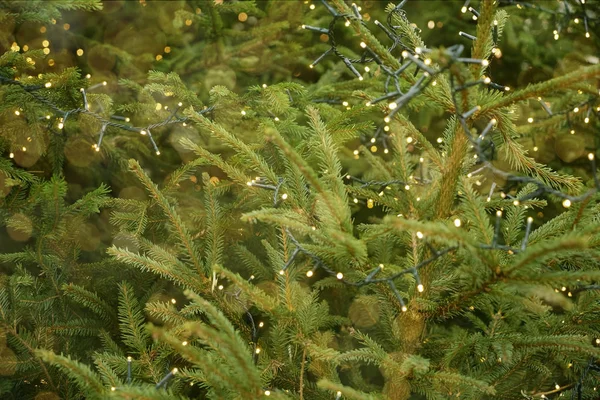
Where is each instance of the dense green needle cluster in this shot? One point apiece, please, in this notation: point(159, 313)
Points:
point(219, 199)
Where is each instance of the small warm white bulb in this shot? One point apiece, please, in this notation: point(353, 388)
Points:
point(48, 84)
point(284, 196)
point(591, 156)
point(339, 275)
point(499, 213)
point(257, 351)
point(420, 235)
point(566, 203)
point(404, 309)
point(309, 273)
point(281, 272)
point(61, 125)
point(363, 45)
point(420, 288)
point(457, 223)
point(485, 63)
point(267, 392)
point(142, 132)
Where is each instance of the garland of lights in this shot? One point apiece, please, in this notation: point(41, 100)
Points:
point(399, 100)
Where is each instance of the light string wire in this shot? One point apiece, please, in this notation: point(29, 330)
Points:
point(173, 118)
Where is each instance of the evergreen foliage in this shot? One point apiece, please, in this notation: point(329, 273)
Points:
point(229, 223)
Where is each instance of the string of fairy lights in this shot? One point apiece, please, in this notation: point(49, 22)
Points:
point(62, 116)
point(397, 99)
point(479, 142)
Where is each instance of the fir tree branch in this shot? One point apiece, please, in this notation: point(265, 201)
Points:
point(542, 88)
point(176, 223)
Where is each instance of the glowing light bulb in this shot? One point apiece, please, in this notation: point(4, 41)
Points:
point(457, 223)
point(516, 202)
point(363, 45)
point(498, 213)
point(566, 203)
point(420, 235)
point(12, 155)
point(261, 324)
point(257, 351)
point(48, 84)
point(535, 148)
point(530, 120)
point(392, 105)
point(184, 343)
point(143, 132)
point(485, 63)
point(61, 125)
point(309, 273)
point(243, 112)
point(339, 275)
point(591, 156)
point(281, 272)
point(267, 392)
point(404, 309)
point(420, 288)
point(284, 196)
